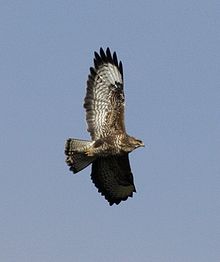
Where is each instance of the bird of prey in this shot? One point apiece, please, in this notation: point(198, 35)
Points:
point(110, 144)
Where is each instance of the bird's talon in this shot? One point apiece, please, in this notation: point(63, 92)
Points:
point(89, 152)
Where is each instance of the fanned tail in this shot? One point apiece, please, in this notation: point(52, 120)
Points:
point(76, 158)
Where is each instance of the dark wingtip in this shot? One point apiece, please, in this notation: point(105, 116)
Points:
point(97, 56)
point(103, 55)
point(117, 201)
point(73, 169)
point(115, 59)
point(92, 71)
point(107, 57)
point(121, 68)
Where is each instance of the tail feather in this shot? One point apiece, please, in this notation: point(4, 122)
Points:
point(75, 151)
point(77, 145)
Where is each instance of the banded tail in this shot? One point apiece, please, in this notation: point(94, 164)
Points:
point(75, 151)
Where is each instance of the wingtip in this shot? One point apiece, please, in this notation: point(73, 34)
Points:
point(106, 56)
point(103, 55)
point(108, 50)
point(101, 50)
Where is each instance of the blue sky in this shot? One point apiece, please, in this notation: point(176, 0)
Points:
point(171, 57)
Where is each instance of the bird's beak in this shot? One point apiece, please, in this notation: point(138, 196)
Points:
point(142, 144)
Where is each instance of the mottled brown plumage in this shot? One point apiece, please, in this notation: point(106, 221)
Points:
point(108, 151)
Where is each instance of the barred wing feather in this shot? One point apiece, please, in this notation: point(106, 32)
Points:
point(104, 101)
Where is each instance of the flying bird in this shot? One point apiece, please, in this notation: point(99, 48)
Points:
point(110, 144)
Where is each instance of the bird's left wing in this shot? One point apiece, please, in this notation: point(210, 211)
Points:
point(113, 178)
point(104, 101)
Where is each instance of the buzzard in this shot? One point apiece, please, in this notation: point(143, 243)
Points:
point(110, 145)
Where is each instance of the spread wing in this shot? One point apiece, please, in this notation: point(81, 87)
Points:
point(104, 101)
point(113, 178)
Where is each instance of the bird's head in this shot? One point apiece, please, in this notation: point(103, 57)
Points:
point(134, 143)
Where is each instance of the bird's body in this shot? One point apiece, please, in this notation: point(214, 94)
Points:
point(110, 145)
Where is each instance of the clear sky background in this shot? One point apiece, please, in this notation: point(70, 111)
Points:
point(171, 56)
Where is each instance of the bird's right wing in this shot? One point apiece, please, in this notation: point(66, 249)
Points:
point(113, 178)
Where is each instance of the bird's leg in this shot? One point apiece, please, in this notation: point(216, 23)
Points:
point(90, 151)
point(94, 148)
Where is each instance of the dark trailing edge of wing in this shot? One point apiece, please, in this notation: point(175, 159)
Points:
point(106, 57)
